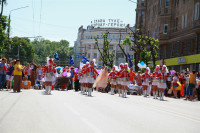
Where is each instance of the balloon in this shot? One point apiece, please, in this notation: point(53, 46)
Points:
point(172, 72)
point(64, 74)
point(76, 70)
point(98, 71)
point(142, 63)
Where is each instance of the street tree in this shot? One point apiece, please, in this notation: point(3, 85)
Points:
point(107, 55)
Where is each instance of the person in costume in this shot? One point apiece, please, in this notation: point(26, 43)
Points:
point(138, 79)
point(102, 80)
point(146, 80)
point(87, 77)
point(84, 77)
point(92, 72)
point(119, 83)
point(80, 76)
point(163, 78)
point(125, 80)
point(155, 82)
point(131, 76)
point(112, 77)
point(49, 72)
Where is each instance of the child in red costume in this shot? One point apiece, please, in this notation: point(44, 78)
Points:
point(146, 80)
point(49, 72)
point(92, 72)
point(125, 80)
point(163, 78)
point(119, 82)
point(155, 82)
point(112, 77)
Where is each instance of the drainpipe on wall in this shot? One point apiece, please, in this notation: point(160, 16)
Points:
point(197, 49)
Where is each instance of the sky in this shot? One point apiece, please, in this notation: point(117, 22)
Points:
point(57, 20)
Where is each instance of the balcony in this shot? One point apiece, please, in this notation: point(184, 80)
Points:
point(196, 26)
point(163, 37)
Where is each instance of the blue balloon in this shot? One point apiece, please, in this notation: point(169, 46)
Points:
point(142, 63)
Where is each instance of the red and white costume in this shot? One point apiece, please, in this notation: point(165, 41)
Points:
point(119, 73)
point(119, 82)
point(49, 72)
point(163, 79)
point(146, 77)
point(84, 72)
point(125, 76)
point(112, 76)
point(92, 72)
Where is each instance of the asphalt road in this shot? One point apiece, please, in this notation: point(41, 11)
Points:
point(70, 112)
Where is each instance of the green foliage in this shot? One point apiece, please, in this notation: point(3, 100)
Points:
point(145, 47)
point(26, 52)
point(46, 48)
point(3, 39)
point(127, 41)
point(145, 55)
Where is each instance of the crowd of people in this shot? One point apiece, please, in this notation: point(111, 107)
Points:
point(157, 84)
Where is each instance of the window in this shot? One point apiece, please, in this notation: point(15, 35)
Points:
point(97, 36)
point(166, 3)
point(165, 27)
point(88, 55)
point(95, 46)
point(158, 28)
point(122, 37)
point(89, 46)
point(160, 3)
point(95, 55)
point(109, 37)
point(176, 25)
point(113, 37)
point(111, 47)
point(184, 21)
point(197, 10)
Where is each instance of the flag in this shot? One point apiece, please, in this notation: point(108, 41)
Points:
point(56, 56)
point(84, 60)
point(71, 62)
point(130, 61)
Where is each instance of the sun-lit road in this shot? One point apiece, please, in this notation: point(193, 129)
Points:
point(70, 112)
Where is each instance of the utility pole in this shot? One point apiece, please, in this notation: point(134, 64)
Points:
point(8, 42)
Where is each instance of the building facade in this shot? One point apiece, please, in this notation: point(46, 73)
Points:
point(176, 23)
point(85, 44)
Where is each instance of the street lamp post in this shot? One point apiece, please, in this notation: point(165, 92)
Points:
point(8, 48)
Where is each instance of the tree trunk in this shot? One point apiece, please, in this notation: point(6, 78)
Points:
point(1, 8)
